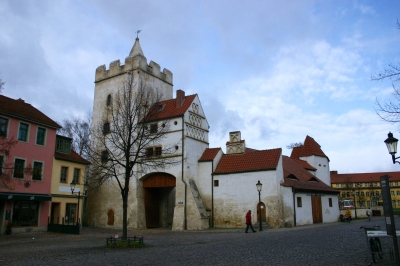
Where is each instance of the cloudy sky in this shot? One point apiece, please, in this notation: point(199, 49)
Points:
point(275, 70)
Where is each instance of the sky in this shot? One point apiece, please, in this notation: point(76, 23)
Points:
point(275, 70)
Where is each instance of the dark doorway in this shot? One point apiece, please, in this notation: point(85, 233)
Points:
point(55, 213)
point(158, 199)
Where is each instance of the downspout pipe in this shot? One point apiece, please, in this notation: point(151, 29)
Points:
point(212, 193)
point(294, 205)
point(183, 169)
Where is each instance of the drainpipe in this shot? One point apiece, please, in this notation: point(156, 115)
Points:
point(294, 205)
point(212, 193)
point(183, 169)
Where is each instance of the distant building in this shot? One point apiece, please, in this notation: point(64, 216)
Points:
point(25, 176)
point(365, 189)
point(209, 188)
point(68, 167)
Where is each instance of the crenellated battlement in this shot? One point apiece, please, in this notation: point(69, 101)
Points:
point(137, 62)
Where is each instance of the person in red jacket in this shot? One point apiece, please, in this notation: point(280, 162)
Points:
point(248, 222)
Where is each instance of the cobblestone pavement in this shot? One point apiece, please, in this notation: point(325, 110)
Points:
point(319, 244)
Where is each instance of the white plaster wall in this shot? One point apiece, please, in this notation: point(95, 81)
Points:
point(237, 193)
point(330, 214)
point(288, 207)
point(304, 213)
point(322, 166)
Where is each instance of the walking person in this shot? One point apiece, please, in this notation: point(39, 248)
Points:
point(368, 212)
point(248, 222)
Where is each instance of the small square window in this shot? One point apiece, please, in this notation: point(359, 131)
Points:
point(1, 164)
point(77, 173)
point(158, 151)
point(104, 157)
point(153, 128)
point(37, 172)
point(3, 127)
point(149, 152)
point(299, 203)
point(19, 167)
point(23, 132)
point(63, 176)
point(40, 136)
point(106, 128)
point(216, 183)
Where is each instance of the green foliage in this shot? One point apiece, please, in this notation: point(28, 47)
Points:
point(396, 211)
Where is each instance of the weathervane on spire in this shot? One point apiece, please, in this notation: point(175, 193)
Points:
point(137, 33)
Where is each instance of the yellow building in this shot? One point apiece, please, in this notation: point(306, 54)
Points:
point(364, 188)
point(68, 167)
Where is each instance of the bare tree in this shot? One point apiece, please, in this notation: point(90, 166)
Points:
point(127, 142)
point(294, 145)
point(79, 129)
point(389, 111)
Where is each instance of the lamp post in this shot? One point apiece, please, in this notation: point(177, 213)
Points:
point(355, 203)
point(259, 187)
point(391, 144)
point(85, 188)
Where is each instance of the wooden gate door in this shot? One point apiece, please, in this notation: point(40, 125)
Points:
point(316, 209)
point(154, 186)
point(261, 206)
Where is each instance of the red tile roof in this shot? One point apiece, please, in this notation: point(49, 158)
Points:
point(209, 154)
point(305, 164)
point(170, 110)
point(299, 178)
point(310, 147)
point(250, 161)
point(362, 177)
point(72, 157)
point(24, 111)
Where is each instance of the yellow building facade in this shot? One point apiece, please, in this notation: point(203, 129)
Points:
point(68, 167)
point(365, 189)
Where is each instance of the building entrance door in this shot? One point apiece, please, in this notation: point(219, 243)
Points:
point(316, 209)
point(159, 199)
point(261, 211)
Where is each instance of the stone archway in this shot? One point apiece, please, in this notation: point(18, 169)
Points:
point(159, 199)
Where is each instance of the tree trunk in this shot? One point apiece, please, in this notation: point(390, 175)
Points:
point(124, 217)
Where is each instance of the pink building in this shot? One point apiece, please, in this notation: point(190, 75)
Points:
point(25, 173)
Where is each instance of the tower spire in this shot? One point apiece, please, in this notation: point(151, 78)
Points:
point(136, 49)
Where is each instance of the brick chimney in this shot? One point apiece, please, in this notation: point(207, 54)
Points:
point(180, 98)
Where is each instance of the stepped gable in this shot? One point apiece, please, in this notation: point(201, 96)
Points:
point(169, 109)
point(304, 164)
point(310, 147)
point(299, 178)
point(24, 111)
point(363, 177)
point(72, 157)
point(263, 160)
point(209, 154)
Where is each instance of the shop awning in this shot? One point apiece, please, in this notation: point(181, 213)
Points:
point(21, 196)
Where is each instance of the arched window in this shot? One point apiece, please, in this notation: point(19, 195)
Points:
point(110, 215)
point(108, 99)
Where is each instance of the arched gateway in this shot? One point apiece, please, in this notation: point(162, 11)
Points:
point(159, 199)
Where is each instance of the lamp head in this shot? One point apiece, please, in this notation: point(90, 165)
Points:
point(259, 186)
point(391, 144)
point(72, 187)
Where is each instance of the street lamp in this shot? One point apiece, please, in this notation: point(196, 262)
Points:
point(85, 188)
point(259, 187)
point(355, 203)
point(391, 144)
